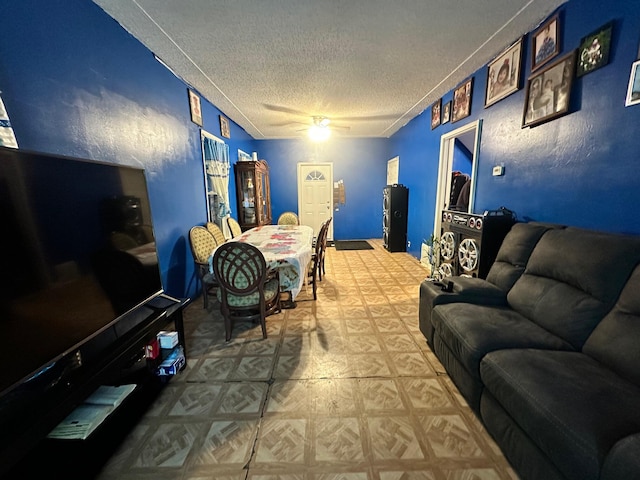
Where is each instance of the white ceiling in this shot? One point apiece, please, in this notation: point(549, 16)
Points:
point(369, 65)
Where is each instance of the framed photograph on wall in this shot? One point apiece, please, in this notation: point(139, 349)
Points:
point(446, 112)
point(462, 101)
point(593, 52)
point(549, 91)
point(436, 117)
point(194, 107)
point(545, 42)
point(503, 74)
point(633, 90)
point(224, 127)
point(243, 156)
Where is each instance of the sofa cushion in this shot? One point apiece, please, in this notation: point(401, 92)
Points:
point(522, 453)
point(573, 279)
point(571, 406)
point(614, 342)
point(514, 254)
point(472, 331)
point(465, 289)
point(469, 386)
point(623, 460)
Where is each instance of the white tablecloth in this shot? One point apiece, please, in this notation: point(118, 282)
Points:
point(286, 247)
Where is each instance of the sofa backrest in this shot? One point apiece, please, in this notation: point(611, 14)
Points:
point(572, 280)
point(615, 342)
point(514, 253)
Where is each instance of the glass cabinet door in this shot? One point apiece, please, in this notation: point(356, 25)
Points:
point(252, 189)
point(248, 204)
point(260, 197)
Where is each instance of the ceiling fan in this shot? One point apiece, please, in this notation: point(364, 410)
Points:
point(293, 111)
point(320, 127)
point(320, 131)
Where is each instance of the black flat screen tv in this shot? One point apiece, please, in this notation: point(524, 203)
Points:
point(79, 257)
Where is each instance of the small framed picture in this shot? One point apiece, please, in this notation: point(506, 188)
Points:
point(549, 91)
point(224, 127)
point(633, 91)
point(194, 106)
point(436, 113)
point(446, 112)
point(503, 74)
point(545, 43)
point(243, 156)
point(462, 101)
point(594, 50)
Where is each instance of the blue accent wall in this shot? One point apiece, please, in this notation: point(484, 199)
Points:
point(74, 82)
point(581, 169)
point(360, 163)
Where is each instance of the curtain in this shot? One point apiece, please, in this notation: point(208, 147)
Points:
point(217, 167)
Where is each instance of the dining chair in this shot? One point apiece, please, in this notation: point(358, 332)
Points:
point(216, 232)
point(315, 265)
point(234, 227)
point(248, 289)
point(202, 246)
point(288, 218)
point(324, 247)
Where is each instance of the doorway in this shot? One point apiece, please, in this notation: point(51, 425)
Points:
point(468, 137)
point(315, 195)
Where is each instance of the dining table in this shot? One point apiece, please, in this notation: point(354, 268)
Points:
point(287, 248)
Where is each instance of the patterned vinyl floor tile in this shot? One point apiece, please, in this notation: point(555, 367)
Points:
point(343, 388)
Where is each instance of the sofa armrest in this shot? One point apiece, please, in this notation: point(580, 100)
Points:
point(623, 460)
point(463, 290)
point(477, 291)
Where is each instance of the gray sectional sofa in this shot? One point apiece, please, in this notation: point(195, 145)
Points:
point(546, 350)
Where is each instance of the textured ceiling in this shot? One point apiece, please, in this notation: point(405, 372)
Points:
point(368, 65)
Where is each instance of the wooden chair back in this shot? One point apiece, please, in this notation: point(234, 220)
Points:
point(248, 290)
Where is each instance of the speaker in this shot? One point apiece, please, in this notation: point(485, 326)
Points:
point(469, 243)
point(395, 205)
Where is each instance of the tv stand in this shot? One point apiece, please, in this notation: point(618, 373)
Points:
point(24, 447)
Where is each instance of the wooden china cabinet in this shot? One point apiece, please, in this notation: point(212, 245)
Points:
point(253, 194)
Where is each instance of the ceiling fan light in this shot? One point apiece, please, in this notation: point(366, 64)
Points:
point(319, 133)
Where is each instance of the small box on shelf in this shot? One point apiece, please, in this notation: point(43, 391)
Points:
point(168, 339)
point(152, 349)
point(173, 363)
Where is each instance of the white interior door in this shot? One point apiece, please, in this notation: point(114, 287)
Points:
point(315, 195)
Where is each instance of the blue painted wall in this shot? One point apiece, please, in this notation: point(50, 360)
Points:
point(581, 169)
point(360, 163)
point(75, 83)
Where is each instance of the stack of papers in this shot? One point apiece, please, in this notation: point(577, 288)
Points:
point(80, 423)
point(108, 395)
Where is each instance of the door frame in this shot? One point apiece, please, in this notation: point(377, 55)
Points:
point(447, 142)
point(331, 186)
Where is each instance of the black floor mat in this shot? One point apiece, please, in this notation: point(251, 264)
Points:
point(353, 245)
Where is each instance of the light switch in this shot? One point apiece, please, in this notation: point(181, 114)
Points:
point(498, 170)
